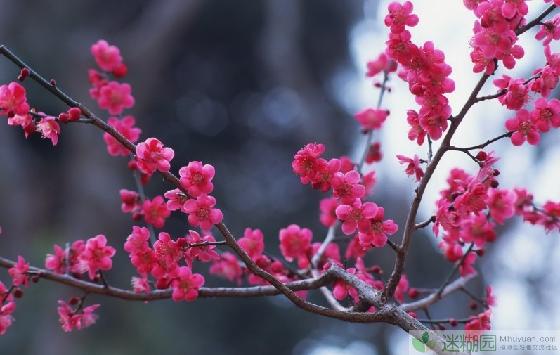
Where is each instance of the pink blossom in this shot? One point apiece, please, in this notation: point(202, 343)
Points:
point(416, 131)
point(197, 178)
point(186, 285)
point(546, 114)
point(466, 267)
point(49, 129)
point(13, 100)
point(478, 230)
point(374, 153)
point(346, 187)
point(6, 318)
point(155, 211)
point(19, 271)
point(354, 249)
point(379, 229)
point(370, 119)
point(140, 284)
point(381, 63)
point(332, 252)
point(97, 255)
point(479, 322)
point(107, 57)
point(252, 242)
point(545, 81)
point(307, 161)
point(129, 200)
point(175, 199)
point(295, 242)
point(550, 30)
point(71, 319)
point(56, 262)
point(167, 255)
point(516, 94)
point(402, 288)
point(202, 213)
point(356, 216)
point(490, 297)
point(322, 179)
point(124, 126)
point(227, 266)
point(413, 166)
point(511, 8)
point(115, 97)
point(523, 128)
point(472, 200)
point(327, 207)
point(152, 155)
point(400, 16)
point(501, 204)
point(138, 240)
point(203, 253)
point(369, 180)
point(452, 250)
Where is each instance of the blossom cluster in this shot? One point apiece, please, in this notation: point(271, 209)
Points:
point(469, 209)
point(425, 71)
point(495, 37)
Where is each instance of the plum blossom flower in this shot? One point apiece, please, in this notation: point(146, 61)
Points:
point(107, 57)
point(400, 16)
point(381, 63)
point(479, 322)
point(56, 262)
point(6, 318)
point(115, 97)
point(466, 267)
point(516, 92)
point(49, 129)
point(478, 230)
point(155, 211)
point(307, 161)
point(412, 166)
point(546, 114)
point(97, 255)
point(19, 271)
point(71, 319)
point(175, 199)
point(501, 204)
point(13, 100)
point(124, 126)
point(197, 178)
point(186, 285)
point(328, 206)
point(227, 266)
point(416, 131)
point(252, 242)
point(378, 230)
point(346, 186)
point(203, 253)
point(550, 30)
point(201, 212)
point(295, 242)
point(151, 155)
point(370, 119)
point(374, 153)
point(140, 284)
point(523, 128)
point(129, 200)
point(402, 288)
point(356, 216)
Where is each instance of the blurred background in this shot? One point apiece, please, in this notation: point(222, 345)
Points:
point(243, 85)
